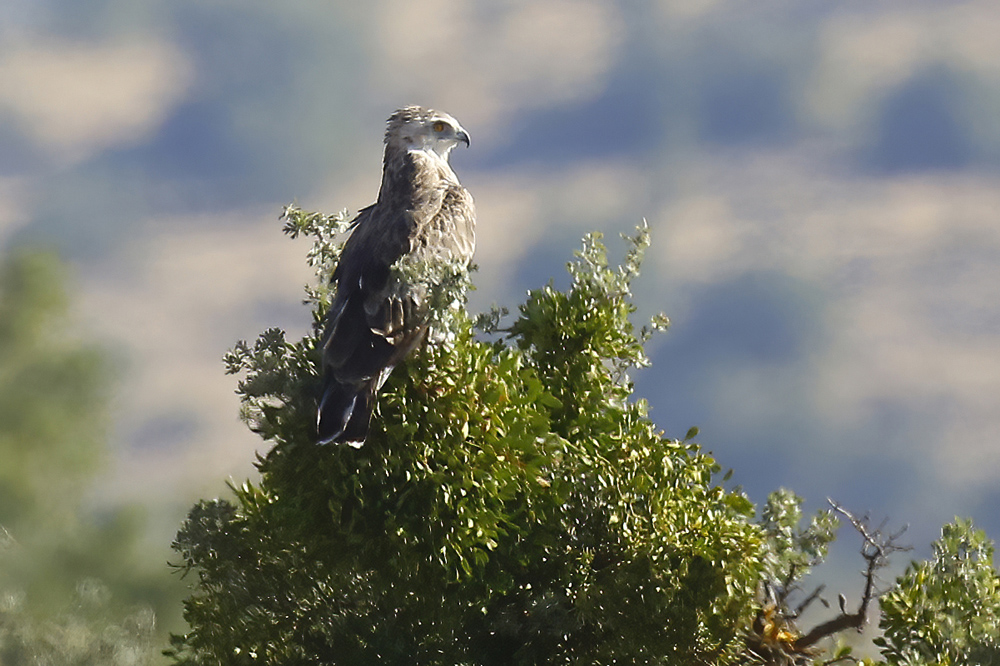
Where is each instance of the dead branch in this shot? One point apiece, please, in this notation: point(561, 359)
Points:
point(808, 601)
point(875, 549)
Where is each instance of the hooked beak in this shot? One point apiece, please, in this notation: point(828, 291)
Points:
point(463, 136)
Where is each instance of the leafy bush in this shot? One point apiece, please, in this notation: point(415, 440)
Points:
point(72, 588)
point(945, 610)
point(91, 629)
point(513, 504)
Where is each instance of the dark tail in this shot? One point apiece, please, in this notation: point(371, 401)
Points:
point(345, 413)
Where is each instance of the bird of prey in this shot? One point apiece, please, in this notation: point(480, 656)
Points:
point(422, 214)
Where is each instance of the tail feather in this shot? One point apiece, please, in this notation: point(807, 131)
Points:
point(335, 409)
point(345, 413)
point(356, 428)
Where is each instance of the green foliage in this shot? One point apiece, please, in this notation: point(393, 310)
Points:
point(945, 610)
point(54, 394)
point(90, 630)
point(790, 553)
point(512, 504)
point(793, 551)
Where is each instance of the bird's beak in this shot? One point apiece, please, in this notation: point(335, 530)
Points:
point(463, 136)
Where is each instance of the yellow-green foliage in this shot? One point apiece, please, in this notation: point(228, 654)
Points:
point(74, 588)
point(946, 610)
point(513, 503)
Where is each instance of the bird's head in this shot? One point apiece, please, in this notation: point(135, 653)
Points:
point(417, 128)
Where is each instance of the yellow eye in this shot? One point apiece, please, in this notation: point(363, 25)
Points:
point(438, 126)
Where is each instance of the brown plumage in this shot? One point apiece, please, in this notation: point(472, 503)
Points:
point(377, 317)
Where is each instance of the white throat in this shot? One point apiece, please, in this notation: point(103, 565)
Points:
point(436, 149)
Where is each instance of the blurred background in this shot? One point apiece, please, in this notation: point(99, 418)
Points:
point(822, 181)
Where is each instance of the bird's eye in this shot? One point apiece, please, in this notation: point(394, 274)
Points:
point(438, 126)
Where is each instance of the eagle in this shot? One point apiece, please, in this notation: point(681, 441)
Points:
point(378, 316)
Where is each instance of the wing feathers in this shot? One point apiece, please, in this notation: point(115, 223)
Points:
point(376, 319)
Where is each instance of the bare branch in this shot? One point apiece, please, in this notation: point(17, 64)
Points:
point(875, 549)
point(811, 598)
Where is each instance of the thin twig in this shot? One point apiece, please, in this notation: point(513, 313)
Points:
point(811, 598)
point(875, 549)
